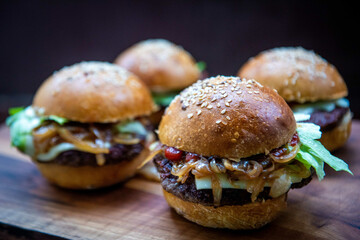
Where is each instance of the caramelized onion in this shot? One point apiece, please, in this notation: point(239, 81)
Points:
point(266, 167)
point(127, 141)
point(182, 170)
point(100, 159)
point(44, 132)
point(79, 144)
point(280, 186)
point(286, 158)
point(202, 168)
point(252, 169)
point(255, 186)
point(217, 168)
point(96, 132)
point(150, 157)
point(216, 189)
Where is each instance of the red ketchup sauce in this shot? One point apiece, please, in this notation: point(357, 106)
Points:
point(173, 154)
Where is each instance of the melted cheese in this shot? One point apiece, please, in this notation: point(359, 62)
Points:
point(55, 151)
point(205, 182)
point(62, 147)
point(328, 106)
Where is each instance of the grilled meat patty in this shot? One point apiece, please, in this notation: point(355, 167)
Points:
point(188, 192)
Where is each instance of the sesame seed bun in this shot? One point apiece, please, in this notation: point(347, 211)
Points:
point(94, 92)
point(237, 217)
point(227, 117)
point(162, 65)
point(90, 177)
point(297, 74)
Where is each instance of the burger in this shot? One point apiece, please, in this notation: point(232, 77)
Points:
point(312, 87)
point(166, 69)
point(229, 151)
point(87, 126)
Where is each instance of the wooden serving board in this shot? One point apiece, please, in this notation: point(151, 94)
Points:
point(30, 208)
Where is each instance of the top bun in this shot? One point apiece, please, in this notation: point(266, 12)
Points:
point(297, 74)
point(162, 65)
point(227, 117)
point(94, 92)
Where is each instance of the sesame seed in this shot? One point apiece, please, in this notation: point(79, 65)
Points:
point(225, 123)
point(213, 100)
point(209, 107)
point(198, 112)
point(227, 104)
point(223, 111)
point(218, 121)
point(204, 104)
point(190, 115)
point(218, 105)
point(233, 140)
point(236, 134)
point(228, 118)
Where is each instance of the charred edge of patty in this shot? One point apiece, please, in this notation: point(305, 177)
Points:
point(188, 192)
point(328, 120)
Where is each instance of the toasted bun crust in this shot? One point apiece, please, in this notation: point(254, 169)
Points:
point(338, 136)
point(227, 117)
point(90, 177)
point(162, 65)
point(297, 74)
point(248, 216)
point(94, 92)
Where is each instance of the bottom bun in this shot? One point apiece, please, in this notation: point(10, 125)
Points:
point(237, 217)
point(90, 177)
point(338, 136)
point(149, 172)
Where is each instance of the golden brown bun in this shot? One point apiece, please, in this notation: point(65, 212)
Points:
point(297, 74)
point(248, 216)
point(94, 92)
point(227, 117)
point(162, 65)
point(90, 177)
point(338, 136)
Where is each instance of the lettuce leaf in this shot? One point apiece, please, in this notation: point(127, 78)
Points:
point(14, 110)
point(131, 127)
point(21, 122)
point(201, 65)
point(313, 153)
point(164, 99)
point(59, 120)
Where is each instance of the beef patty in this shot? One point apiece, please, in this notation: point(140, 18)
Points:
point(188, 192)
point(118, 153)
point(328, 120)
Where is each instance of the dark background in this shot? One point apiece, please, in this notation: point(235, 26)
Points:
point(39, 37)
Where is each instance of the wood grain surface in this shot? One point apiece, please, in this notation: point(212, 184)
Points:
point(31, 208)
